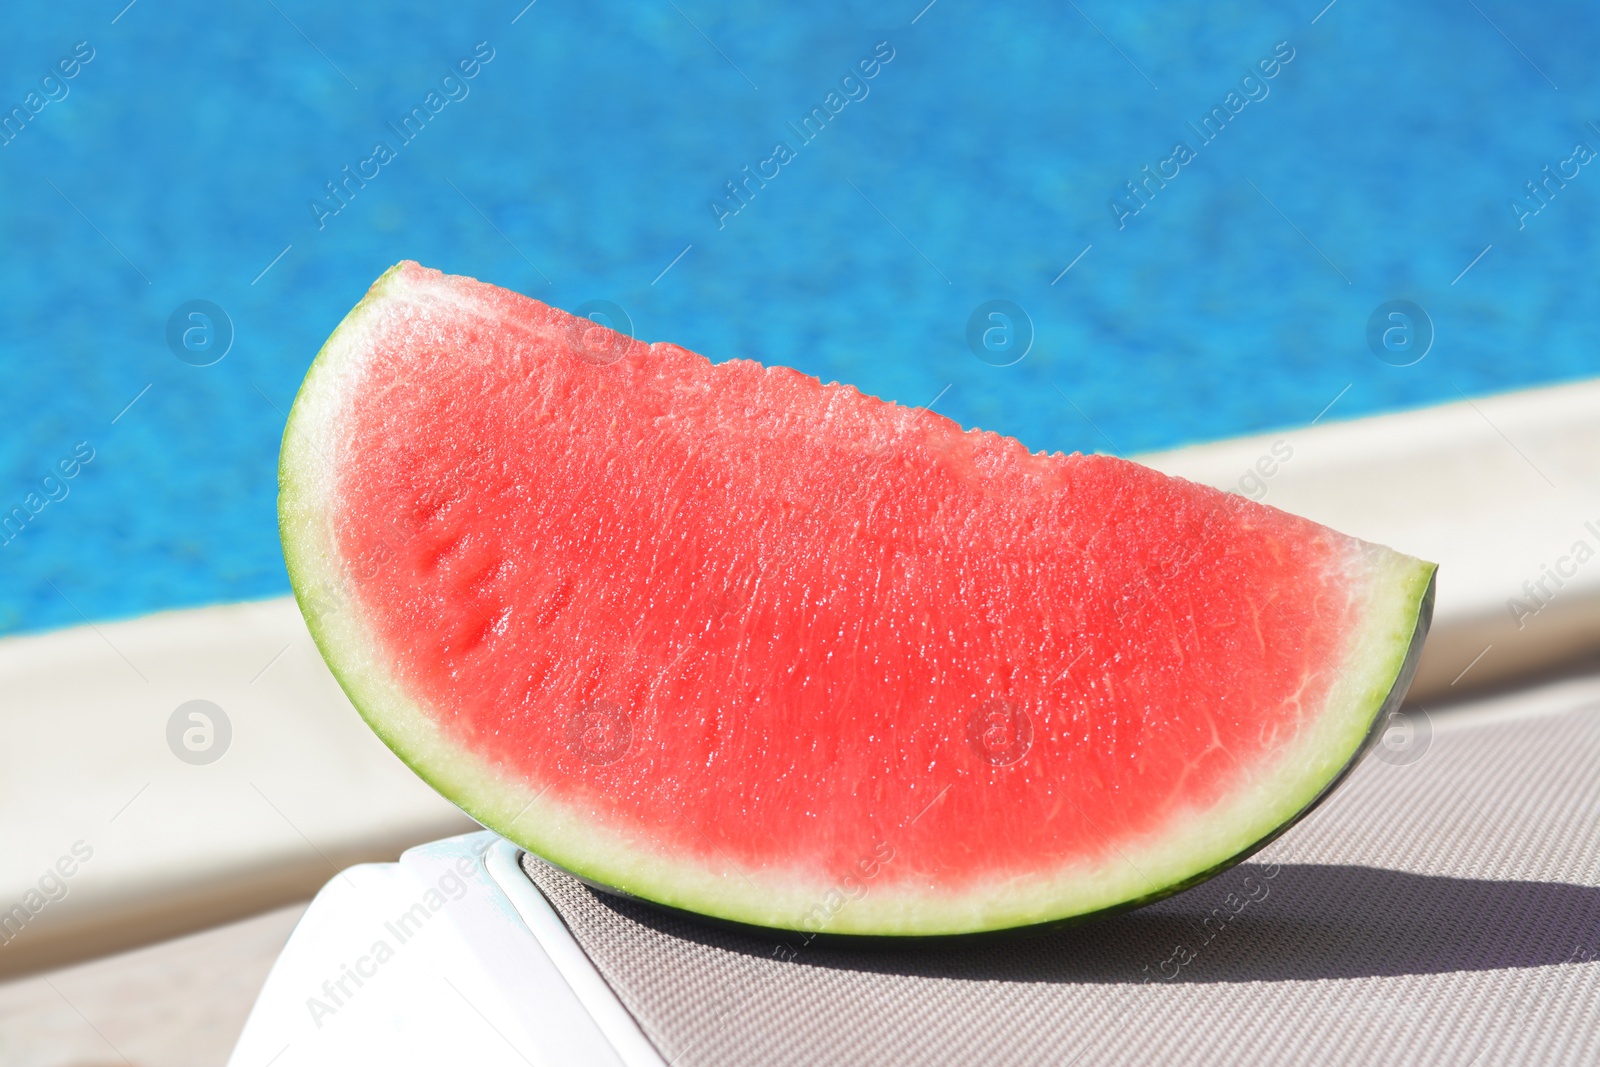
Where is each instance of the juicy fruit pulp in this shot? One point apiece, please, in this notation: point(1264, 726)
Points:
point(735, 641)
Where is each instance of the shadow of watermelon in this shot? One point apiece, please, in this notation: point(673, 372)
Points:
point(1314, 921)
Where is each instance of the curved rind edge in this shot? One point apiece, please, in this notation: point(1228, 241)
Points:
point(1374, 675)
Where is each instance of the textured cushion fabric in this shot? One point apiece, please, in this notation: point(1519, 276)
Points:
point(1443, 907)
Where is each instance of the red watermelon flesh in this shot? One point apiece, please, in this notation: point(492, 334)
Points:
point(732, 640)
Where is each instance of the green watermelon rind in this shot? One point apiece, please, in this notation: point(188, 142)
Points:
point(1396, 590)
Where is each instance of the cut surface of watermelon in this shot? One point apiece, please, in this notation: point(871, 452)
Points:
point(741, 643)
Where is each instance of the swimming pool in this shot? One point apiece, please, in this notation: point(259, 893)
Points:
point(1337, 159)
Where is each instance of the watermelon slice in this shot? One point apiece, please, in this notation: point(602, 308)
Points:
point(737, 642)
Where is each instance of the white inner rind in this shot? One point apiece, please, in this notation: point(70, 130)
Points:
point(1390, 586)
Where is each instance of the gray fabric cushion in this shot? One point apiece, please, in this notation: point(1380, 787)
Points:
point(1438, 909)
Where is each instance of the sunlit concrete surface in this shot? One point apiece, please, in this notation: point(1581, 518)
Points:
point(112, 839)
point(104, 1013)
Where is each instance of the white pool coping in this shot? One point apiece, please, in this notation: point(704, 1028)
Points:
point(303, 789)
point(1495, 490)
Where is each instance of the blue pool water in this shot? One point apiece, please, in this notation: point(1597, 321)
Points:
point(580, 161)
